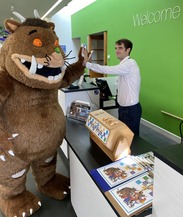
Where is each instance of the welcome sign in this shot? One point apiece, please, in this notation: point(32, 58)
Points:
point(150, 17)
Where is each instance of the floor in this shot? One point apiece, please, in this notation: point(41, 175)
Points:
point(51, 207)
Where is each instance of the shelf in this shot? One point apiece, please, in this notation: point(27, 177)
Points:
point(98, 49)
point(98, 43)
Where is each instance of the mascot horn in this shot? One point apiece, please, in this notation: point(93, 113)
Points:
point(32, 125)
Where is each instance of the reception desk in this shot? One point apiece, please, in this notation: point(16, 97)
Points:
point(87, 197)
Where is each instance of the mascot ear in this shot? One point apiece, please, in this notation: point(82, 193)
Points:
point(51, 25)
point(11, 25)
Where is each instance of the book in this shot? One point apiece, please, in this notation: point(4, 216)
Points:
point(128, 183)
point(117, 172)
point(133, 196)
point(122, 170)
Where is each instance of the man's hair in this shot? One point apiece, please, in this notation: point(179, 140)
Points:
point(127, 43)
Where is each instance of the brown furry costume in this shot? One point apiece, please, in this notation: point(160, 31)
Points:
point(32, 124)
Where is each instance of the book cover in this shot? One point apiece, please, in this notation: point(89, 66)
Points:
point(117, 172)
point(133, 196)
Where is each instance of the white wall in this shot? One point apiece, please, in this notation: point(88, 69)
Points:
point(62, 23)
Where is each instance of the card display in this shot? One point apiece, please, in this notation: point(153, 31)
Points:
point(112, 135)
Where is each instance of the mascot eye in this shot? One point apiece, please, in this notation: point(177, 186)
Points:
point(56, 42)
point(37, 42)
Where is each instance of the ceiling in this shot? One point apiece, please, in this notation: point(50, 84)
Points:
point(26, 8)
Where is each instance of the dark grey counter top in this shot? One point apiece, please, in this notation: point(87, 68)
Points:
point(83, 87)
point(172, 155)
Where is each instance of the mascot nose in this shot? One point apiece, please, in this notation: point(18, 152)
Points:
point(57, 50)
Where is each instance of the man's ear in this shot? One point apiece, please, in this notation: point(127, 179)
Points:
point(128, 50)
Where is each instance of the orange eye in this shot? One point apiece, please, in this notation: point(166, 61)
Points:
point(56, 42)
point(37, 42)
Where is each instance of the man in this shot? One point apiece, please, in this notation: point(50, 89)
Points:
point(130, 110)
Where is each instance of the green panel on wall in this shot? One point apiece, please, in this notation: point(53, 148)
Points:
point(155, 27)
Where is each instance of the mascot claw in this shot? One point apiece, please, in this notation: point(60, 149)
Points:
point(2, 157)
point(11, 153)
point(13, 136)
point(21, 205)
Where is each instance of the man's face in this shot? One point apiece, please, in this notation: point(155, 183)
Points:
point(121, 51)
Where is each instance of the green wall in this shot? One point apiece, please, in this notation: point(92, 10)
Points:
point(158, 49)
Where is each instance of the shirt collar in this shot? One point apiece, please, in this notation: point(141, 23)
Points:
point(127, 57)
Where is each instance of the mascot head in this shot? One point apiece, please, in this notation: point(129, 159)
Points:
point(31, 53)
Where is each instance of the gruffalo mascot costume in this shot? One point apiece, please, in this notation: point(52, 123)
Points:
point(32, 125)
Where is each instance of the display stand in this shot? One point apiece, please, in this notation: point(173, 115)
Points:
point(110, 134)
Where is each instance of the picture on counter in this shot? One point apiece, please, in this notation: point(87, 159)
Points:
point(121, 171)
point(134, 194)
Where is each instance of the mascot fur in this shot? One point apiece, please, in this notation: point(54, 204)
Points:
point(32, 124)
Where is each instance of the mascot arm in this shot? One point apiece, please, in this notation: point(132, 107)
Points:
point(74, 71)
point(6, 138)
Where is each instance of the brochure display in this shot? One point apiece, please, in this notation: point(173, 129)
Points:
point(79, 110)
point(110, 134)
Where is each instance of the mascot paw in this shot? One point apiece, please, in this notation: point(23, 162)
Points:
point(58, 187)
point(22, 205)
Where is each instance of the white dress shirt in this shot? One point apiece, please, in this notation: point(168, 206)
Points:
point(128, 80)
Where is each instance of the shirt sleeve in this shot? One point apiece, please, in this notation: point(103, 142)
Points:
point(120, 69)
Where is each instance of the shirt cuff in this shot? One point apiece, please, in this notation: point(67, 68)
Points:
point(88, 65)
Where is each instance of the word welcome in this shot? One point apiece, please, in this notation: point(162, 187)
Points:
point(156, 17)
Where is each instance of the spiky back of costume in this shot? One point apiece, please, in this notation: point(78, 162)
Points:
point(32, 124)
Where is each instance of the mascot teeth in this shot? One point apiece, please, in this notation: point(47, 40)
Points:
point(22, 60)
point(56, 77)
point(40, 66)
point(33, 67)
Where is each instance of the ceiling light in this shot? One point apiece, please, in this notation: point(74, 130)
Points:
point(51, 9)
